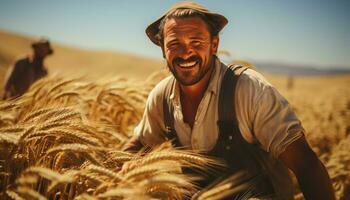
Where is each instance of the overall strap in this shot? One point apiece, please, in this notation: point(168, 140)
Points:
point(227, 122)
point(168, 113)
point(230, 136)
point(231, 145)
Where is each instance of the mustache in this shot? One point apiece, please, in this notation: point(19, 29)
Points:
point(178, 60)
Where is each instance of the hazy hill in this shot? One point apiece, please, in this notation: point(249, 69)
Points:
point(70, 60)
point(297, 70)
point(96, 64)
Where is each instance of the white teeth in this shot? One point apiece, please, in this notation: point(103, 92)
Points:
point(188, 64)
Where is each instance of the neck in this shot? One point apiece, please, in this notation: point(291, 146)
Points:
point(38, 61)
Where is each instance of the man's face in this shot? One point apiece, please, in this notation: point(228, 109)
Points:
point(41, 51)
point(188, 48)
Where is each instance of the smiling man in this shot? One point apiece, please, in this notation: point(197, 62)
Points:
point(232, 113)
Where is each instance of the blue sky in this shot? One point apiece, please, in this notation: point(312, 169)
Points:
point(315, 32)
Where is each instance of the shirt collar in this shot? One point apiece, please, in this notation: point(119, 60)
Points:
point(213, 82)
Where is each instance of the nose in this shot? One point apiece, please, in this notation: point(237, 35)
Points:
point(186, 51)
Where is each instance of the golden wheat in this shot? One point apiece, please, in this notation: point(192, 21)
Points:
point(62, 140)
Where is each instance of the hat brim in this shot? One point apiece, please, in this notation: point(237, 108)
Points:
point(153, 29)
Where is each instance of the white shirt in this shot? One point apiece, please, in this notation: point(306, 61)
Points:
point(264, 116)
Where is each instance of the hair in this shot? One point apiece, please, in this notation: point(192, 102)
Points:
point(184, 13)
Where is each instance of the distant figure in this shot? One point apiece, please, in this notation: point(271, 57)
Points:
point(27, 70)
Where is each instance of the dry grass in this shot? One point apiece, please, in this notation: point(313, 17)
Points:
point(62, 139)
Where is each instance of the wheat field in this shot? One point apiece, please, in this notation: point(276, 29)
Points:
point(63, 140)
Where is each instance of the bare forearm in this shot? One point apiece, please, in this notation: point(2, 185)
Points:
point(312, 176)
point(315, 183)
point(133, 145)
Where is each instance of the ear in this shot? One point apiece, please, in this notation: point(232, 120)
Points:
point(214, 44)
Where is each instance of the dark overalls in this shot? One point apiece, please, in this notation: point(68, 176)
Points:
point(240, 156)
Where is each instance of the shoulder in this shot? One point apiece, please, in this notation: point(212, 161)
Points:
point(253, 91)
point(159, 90)
point(157, 94)
point(21, 62)
point(154, 104)
point(253, 78)
point(18, 66)
point(252, 83)
point(22, 59)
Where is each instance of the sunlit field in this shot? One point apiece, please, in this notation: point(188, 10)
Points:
point(62, 140)
point(323, 105)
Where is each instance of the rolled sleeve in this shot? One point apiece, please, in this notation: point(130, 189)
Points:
point(275, 124)
point(265, 116)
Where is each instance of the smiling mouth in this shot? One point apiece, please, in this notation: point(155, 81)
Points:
point(188, 65)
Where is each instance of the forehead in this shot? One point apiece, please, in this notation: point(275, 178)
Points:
point(186, 25)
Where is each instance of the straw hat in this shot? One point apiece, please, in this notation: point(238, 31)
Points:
point(153, 29)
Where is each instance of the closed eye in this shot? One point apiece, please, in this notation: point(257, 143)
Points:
point(172, 44)
point(196, 42)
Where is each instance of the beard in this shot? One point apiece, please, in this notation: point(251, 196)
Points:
point(188, 77)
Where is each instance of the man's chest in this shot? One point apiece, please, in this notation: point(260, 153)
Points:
point(203, 133)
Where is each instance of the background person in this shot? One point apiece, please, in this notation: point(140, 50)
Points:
point(27, 70)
